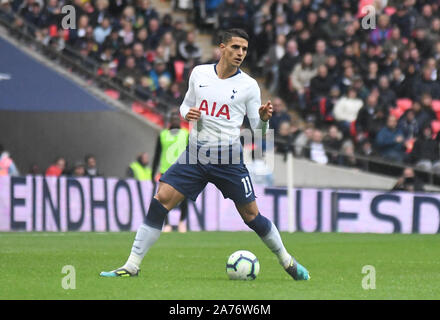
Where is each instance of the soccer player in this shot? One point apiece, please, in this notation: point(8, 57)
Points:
point(218, 98)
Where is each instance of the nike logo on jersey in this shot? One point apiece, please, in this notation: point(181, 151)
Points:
point(249, 194)
point(202, 86)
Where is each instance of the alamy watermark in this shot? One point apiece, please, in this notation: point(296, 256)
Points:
point(369, 20)
point(69, 20)
point(369, 280)
point(68, 282)
point(223, 147)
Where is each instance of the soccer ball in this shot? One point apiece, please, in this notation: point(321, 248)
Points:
point(242, 265)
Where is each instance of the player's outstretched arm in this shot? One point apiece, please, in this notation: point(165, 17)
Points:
point(193, 114)
point(266, 111)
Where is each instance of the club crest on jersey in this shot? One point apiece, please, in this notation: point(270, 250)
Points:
point(224, 110)
point(233, 93)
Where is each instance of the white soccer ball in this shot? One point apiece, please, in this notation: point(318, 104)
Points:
point(242, 265)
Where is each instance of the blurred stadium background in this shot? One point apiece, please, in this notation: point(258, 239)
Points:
point(358, 108)
point(106, 87)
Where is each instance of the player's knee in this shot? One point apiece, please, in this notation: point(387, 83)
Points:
point(248, 216)
point(163, 198)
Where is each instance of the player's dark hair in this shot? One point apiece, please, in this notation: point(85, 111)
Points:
point(227, 35)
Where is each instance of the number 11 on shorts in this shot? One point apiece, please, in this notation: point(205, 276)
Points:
point(247, 186)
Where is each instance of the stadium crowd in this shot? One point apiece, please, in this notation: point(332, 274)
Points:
point(362, 85)
point(367, 91)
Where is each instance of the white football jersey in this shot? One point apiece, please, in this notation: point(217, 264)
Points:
point(223, 104)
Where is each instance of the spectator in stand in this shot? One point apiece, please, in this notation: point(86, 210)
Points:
point(280, 25)
point(402, 20)
point(394, 43)
point(145, 10)
point(315, 150)
point(348, 158)
point(390, 141)
point(320, 55)
point(7, 165)
point(383, 31)
point(113, 41)
point(173, 96)
point(279, 114)
point(396, 83)
point(333, 143)
point(300, 79)
point(333, 29)
point(408, 125)
point(6, 11)
point(346, 110)
point(99, 14)
point(276, 52)
point(284, 138)
point(36, 16)
point(154, 33)
point(333, 69)
point(426, 152)
point(169, 46)
point(360, 87)
point(426, 103)
point(130, 70)
point(91, 169)
point(387, 97)
point(159, 70)
point(320, 85)
point(372, 77)
point(102, 31)
point(189, 51)
point(422, 116)
point(267, 35)
point(226, 12)
point(365, 149)
point(371, 118)
point(408, 182)
point(427, 85)
point(347, 78)
point(57, 168)
point(303, 138)
point(286, 64)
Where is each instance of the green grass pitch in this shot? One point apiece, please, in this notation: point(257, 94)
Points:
point(192, 266)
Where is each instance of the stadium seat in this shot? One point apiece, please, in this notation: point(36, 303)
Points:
point(179, 67)
point(137, 107)
point(435, 125)
point(404, 104)
point(397, 112)
point(353, 129)
point(112, 94)
point(436, 108)
point(154, 117)
point(409, 144)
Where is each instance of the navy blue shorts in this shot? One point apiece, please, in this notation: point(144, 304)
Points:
point(190, 179)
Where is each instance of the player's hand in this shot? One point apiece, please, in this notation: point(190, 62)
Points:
point(266, 111)
point(193, 114)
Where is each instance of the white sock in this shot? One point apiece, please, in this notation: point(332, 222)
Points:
point(275, 244)
point(146, 236)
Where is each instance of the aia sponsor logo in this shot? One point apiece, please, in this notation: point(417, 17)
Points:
point(215, 110)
